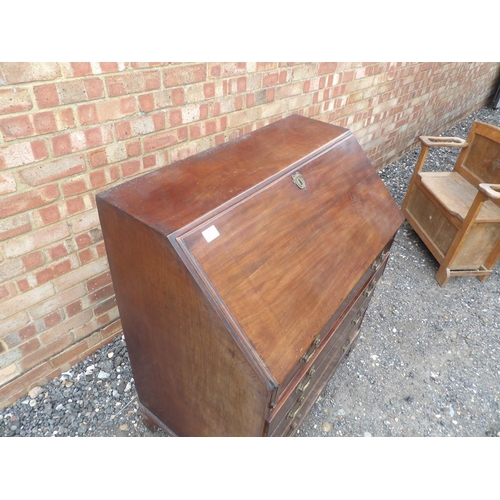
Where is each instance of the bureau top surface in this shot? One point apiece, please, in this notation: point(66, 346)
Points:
point(173, 196)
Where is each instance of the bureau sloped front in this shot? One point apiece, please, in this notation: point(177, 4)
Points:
point(231, 291)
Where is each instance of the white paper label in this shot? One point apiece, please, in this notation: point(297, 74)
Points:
point(210, 233)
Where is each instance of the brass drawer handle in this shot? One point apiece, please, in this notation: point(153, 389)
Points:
point(358, 317)
point(293, 412)
point(378, 261)
point(307, 356)
point(298, 180)
point(371, 287)
point(309, 353)
point(305, 383)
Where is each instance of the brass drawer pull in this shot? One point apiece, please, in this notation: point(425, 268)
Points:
point(309, 353)
point(305, 383)
point(307, 356)
point(293, 412)
point(358, 317)
point(298, 180)
point(378, 261)
point(370, 288)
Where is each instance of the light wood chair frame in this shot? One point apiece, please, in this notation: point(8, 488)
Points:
point(485, 191)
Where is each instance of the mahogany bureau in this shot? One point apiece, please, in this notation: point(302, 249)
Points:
point(242, 275)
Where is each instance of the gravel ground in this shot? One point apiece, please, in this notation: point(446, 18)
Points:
point(426, 362)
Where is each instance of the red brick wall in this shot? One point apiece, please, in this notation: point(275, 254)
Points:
point(69, 130)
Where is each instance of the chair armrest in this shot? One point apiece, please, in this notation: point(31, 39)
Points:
point(448, 142)
point(490, 190)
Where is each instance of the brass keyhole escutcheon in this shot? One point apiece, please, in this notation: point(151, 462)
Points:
point(298, 180)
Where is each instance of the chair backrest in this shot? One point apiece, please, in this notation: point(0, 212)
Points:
point(480, 161)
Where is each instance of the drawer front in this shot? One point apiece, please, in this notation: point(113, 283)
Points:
point(300, 405)
point(311, 380)
point(369, 279)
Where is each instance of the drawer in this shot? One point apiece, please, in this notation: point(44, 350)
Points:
point(369, 279)
point(326, 357)
point(299, 405)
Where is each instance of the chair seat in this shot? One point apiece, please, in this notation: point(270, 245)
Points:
point(457, 195)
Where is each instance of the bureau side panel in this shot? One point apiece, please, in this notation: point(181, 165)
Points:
point(187, 368)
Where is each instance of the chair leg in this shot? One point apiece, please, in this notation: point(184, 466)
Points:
point(443, 275)
point(491, 260)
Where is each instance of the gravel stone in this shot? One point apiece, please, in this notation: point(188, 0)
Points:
point(426, 362)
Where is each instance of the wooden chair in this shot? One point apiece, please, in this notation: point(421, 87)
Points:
point(457, 214)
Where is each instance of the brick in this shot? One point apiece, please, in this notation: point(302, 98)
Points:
point(8, 373)
point(7, 291)
point(46, 96)
point(54, 170)
point(14, 100)
point(133, 148)
point(130, 168)
point(98, 282)
point(44, 122)
point(23, 72)
point(57, 251)
point(13, 226)
point(105, 306)
point(86, 256)
point(29, 347)
point(61, 299)
point(104, 111)
point(11, 269)
point(83, 240)
point(75, 186)
point(245, 116)
point(123, 130)
point(149, 161)
point(74, 308)
point(78, 69)
point(289, 90)
point(66, 327)
point(224, 70)
point(161, 140)
point(35, 240)
point(23, 153)
point(18, 154)
point(10, 356)
point(72, 355)
point(7, 183)
point(33, 260)
point(74, 91)
point(45, 352)
point(175, 117)
point(52, 319)
point(81, 274)
point(270, 79)
point(84, 222)
point(101, 294)
point(16, 127)
point(14, 323)
point(26, 300)
point(27, 332)
point(75, 205)
point(65, 119)
point(51, 272)
point(132, 83)
point(17, 203)
point(177, 76)
point(97, 179)
point(47, 215)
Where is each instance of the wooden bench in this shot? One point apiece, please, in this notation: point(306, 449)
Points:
point(457, 213)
